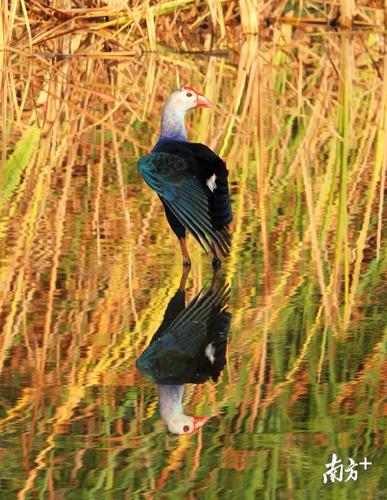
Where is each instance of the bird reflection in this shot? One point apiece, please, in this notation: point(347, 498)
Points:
point(189, 347)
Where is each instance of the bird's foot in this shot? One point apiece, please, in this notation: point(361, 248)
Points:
point(186, 263)
point(184, 251)
point(216, 263)
point(184, 277)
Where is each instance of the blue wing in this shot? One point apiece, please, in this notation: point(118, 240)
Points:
point(187, 197)
point(204, 321)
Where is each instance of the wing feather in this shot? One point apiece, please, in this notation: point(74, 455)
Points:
point(170, 176)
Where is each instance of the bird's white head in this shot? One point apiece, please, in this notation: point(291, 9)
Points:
point(185, 424)
point(187, 98)
point(172, 118)
point(171, 411)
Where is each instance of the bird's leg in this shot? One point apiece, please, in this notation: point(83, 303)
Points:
point(184, 277)
point(184, 251)
point(214, 278)
point(216, 262)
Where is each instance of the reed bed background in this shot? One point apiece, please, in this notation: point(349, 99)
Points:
point(88, 263)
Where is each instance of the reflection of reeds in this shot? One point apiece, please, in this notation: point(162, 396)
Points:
point(88, 262)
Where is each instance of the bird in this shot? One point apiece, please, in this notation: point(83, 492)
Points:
point(189, 347)
point(190, 180)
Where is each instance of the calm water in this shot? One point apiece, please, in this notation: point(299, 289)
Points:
point(86, 287)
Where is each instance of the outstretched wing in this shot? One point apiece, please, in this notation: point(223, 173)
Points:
point(186, 196)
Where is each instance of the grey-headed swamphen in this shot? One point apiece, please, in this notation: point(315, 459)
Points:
point(190, 179)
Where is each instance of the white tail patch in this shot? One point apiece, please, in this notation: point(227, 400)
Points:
point(211, 182)
point(209, 352)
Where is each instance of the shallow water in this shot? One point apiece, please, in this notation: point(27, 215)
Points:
point(88, 285)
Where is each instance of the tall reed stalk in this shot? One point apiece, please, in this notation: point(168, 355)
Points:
point(342, 243)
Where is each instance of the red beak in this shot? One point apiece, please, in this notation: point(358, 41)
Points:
point(203, 102)
point(199, 422)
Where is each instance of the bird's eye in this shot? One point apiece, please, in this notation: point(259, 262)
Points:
point(186, 428)
point(188, 94)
